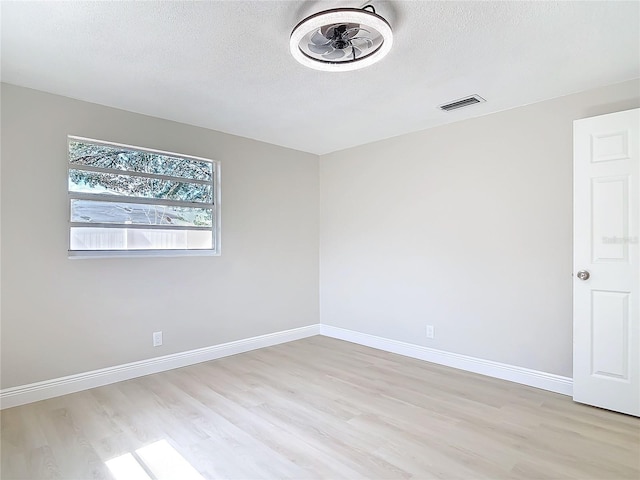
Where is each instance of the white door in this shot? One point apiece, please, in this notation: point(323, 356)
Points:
point(606, 262)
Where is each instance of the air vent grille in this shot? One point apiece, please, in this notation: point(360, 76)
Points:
point(463, 102)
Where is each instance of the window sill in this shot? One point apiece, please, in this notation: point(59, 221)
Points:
point(84, 254)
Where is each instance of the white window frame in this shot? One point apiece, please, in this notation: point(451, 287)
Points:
point(216, 230)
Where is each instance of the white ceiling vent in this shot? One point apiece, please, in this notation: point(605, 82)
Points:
point(462, 102)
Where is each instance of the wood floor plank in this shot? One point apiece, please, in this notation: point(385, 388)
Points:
point(321, 408)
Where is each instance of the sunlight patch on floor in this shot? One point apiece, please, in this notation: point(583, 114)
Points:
point(126, 467)
point(160, 458)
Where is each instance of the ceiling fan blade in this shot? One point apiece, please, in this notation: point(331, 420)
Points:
point(368, 41)
point(318, 39)
point(336, 54)
point(328, 30)
point(352, 31)
point(357, 29)
point(320, 49)
point(343, 30)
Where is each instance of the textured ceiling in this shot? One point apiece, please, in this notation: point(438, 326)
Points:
point(226, 65)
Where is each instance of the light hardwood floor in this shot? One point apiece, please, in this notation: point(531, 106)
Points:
point(321, 408)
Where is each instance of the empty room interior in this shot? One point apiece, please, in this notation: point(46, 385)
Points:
point(320, 239)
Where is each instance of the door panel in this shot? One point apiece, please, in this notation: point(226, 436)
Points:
point(609, 146)
point(610, 219)
point(610, 334)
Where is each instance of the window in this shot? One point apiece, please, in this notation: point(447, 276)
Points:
point(134, 201)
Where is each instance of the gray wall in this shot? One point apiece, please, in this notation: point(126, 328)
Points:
point(62, 316)
point(467, 227)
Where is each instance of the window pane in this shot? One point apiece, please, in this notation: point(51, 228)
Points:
point(110, 183)
point(89, 211)
point(121, 158)
point(91, 238)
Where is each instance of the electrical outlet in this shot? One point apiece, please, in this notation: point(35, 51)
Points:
point(430, 331)
point(157, 339)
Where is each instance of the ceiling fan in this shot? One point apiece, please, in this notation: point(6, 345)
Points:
point(341, 39)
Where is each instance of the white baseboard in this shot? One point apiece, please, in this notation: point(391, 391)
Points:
point(20, 395)
point(12, 397)
point(525, 376)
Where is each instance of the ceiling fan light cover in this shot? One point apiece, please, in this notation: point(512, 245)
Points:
point(341, 39)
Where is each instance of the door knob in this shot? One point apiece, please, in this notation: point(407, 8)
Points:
point(583, 275)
